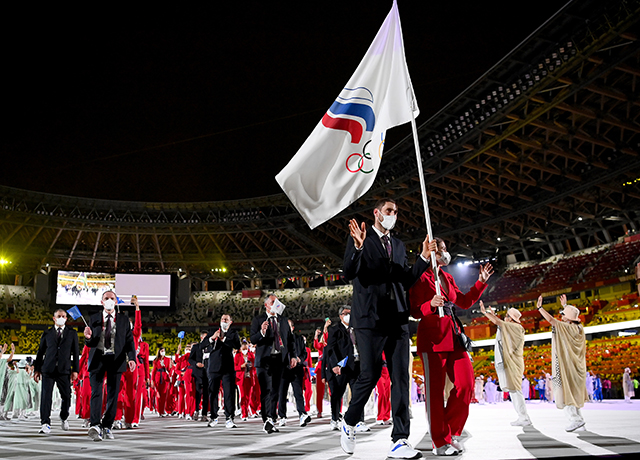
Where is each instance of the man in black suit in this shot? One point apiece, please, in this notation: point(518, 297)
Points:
point(294, 376)
point(112, 350)
point(56, 362)
point(376, 263)
point(341, 345)
point(271, 334)
point(221, 369)
point(199, 362)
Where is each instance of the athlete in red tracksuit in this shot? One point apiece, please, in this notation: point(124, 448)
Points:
point(319, 342)
point(161, 380)
point(441, 349)
point(244, 361)
point(84, 390)
point(185, 402)
point(306, 380)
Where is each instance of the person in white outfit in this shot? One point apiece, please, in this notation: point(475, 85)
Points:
point(509, 359)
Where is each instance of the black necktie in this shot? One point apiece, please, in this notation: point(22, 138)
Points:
point(387, 245)
point(107, 333)
point(59, 334)
point(276, 332)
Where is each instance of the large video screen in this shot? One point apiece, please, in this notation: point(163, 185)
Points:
point(151, 290)
point(86, 288)
point(83, 288)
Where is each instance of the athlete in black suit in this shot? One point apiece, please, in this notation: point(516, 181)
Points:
point(376, 263)
point(57, 363)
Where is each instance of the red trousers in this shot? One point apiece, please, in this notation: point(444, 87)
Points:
point(308, 391)
point(255, 404)
point(449, 421)
point(245, 396)
point(161, 393)
point(319, 392)
point(131, 379)
point(140, 396)
point(84, 396)
point(384, 396)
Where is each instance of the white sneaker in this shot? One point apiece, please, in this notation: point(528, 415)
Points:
point(304, 420)
point(402, 449)
point(521, 422)
point(106, 433)
point(335, 425)
point(282, 422)
point(45, 429)
point(362, 427)
point(347, 438)
point(445, 451)
point(213, 422)
point(188, 417)
point(269, 427)
point(64, 425)
point(135, 425)
point(230, 424)
point(573, 426)
point(457, 445)
point(95, 433)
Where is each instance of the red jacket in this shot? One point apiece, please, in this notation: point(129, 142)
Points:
point(435, 333)
point(238, 361)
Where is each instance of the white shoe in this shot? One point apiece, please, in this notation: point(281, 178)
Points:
point(64, 425)
point(445, 451)
point(457, 445)
point(573, 426)
point(95, 433)
point(402, 449)
point(45, 429)
point(269, 427)
point(347, 438)
point(282, 422)
point(335, 425)
point(521, 422)
point(86, 424)
point(107, 433)
point(304, 420)
point(362, 427)
point(213, 422)
point(188, 417)
point(230, 424)
point(180, 416)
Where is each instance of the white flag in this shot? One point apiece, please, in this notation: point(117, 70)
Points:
point(339, 161)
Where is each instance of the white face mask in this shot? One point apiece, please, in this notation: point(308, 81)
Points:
point(109, 304)
point(346, 319)
point(60, 321)
point(162, 353)
point(224, 326)
point(445, 258)
point(388, 222)
point(244, 352)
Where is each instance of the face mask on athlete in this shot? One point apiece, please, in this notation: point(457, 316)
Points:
point(109, 304)
point(244, 351)
point(346, 319)
point(445, 258)
point(60, 321)
point(224, 326)
point(388, 222)
point(162, 353)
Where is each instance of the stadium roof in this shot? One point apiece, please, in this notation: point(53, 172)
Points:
point(538, 156)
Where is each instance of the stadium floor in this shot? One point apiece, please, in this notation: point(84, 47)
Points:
point(613, 429)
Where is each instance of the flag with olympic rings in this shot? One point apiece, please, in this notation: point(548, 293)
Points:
point(339, 161)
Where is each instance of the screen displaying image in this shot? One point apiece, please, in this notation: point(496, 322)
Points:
point(82, 288)
point(151, 290)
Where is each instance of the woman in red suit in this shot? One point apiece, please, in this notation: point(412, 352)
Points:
point(161, 380)
point(243, 364)
point(441, 349)
point(319, 342)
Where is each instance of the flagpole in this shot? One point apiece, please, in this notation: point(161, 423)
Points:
point(423, 189)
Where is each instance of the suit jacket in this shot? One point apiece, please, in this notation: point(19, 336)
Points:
point(380, 283)
point(63, 356)
point(339, 346)
point(221, 352)
point(123, 345)
point(264, 344)
point(196, 356)
point(435, 333)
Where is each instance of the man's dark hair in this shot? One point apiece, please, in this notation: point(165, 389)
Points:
point(380, 203)
point(343, 308)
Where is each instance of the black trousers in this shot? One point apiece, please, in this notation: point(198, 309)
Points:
point(63, 382)
point(228, 381)
point(394, 341)
point(269, 377)
point(201, 384)
point(295, 378)
point(338, 386)
point(106, 367)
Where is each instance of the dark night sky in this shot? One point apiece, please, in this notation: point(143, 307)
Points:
point(210, 103)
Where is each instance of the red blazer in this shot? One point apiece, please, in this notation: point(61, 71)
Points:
point(238, 361)
point(155, 375)
point(435, 333)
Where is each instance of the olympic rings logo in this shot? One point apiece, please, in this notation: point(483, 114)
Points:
point(357, 165)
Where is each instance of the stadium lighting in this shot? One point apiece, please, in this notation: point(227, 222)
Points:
point(4, 261)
